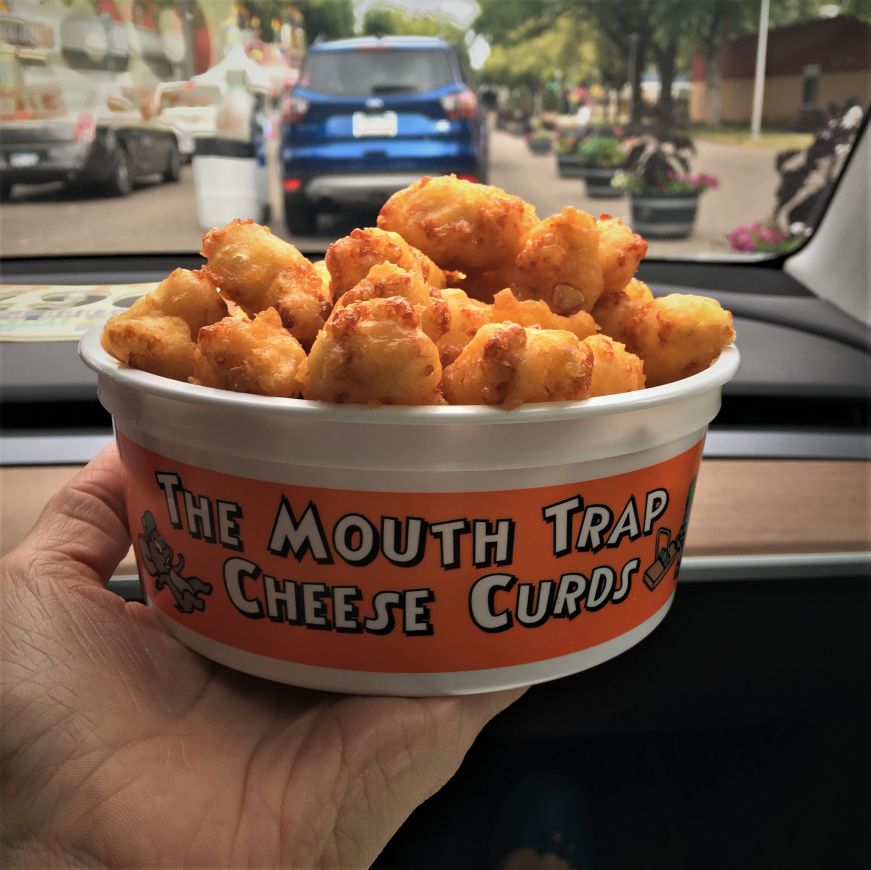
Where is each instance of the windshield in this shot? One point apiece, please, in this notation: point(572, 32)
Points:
point(715, 131)
point(359, 74)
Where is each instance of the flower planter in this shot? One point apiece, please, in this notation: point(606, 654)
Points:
point(664, 215)
point(569, 166)
point(598, 182)
point(539, 146)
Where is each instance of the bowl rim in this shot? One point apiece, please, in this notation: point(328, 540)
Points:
point(96, 358)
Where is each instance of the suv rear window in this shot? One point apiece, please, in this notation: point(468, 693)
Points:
point(362, 73)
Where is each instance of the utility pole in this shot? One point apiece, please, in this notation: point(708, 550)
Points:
point(759, 79)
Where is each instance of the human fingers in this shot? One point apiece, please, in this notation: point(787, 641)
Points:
point(83, 528)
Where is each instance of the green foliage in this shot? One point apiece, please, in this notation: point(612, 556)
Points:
point(323, 19)
point(527, 35)
point(384, 21)
point(326, 19)
point(659, 162)
point(567, 50)
point(602, 152)
point(509, 22)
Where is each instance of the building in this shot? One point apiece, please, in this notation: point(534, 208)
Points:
point(810, 64)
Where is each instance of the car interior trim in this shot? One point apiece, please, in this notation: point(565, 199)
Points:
point(778, 566)
point(73, 448)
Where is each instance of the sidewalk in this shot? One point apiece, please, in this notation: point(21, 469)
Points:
point(748, 181)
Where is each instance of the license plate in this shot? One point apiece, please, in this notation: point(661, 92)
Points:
point(21, 159)
point(383, 124)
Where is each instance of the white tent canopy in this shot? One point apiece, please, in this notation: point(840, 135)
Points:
point(236, 59)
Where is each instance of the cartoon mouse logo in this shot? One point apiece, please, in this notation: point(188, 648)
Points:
point(157, 557)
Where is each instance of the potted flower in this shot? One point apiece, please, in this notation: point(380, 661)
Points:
point(601, 157)
point(767, 237)
point(568, 161)
point(540, 138)
point(664, 193)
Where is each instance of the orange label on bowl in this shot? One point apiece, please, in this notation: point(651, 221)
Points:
point(403, 581)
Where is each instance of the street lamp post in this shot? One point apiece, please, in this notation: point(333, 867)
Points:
point(759, 78)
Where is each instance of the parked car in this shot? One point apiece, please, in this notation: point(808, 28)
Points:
point(371, 115)
point(81, 130)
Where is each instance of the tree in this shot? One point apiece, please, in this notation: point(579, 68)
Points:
point(564, 51)
point(385, 21)
point(326, 19)
point(509, 22)
point(323, 19)
point(666, 32)
point(626, 26)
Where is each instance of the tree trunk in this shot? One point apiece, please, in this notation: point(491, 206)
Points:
point(665, 62)
point(640, 62)
point(713, 86)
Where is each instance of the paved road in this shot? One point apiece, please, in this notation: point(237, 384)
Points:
point(747, 183)
point(162, 217)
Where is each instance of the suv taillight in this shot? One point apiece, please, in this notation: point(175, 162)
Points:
point(294, 109)
point(461, 105)
point(86, 127)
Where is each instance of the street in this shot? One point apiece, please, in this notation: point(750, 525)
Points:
point(158, 217)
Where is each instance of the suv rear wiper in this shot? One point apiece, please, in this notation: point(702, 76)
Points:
point(394, 89)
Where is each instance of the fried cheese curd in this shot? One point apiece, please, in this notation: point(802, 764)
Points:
point(617, 313)
point(458, 224)
point(680, 335)
point(676, 335)
point(558, 313)
point(620, 252)
point(258, 270)
point(508, 364)
point(559, 263)
point(534, 312)
point(374, 352)
point(158, 332)
point(386, 279)
point(250, 356)
point(349, 259)
point(615, 369)
point(465, 317)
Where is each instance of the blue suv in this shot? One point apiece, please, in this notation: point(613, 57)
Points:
point(371, 115)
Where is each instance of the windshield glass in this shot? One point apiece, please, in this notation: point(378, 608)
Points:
point(717, 129)
point(376, 72)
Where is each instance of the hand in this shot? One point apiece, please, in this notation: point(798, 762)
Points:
point(122, 747)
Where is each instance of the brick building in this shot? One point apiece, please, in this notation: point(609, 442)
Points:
point(809, 64)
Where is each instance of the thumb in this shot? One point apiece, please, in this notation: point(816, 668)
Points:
point(84, 526)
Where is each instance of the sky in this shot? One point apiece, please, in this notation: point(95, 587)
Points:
point(459, 12)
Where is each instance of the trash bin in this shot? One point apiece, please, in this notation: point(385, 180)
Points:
point(228, 181)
